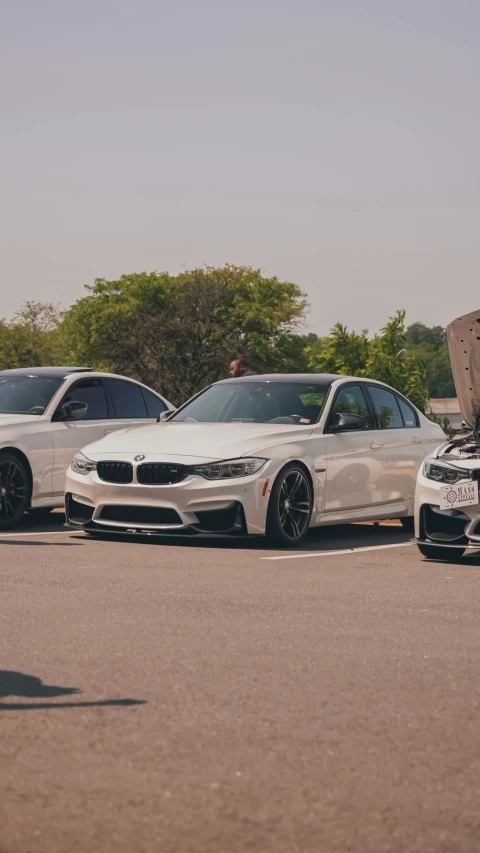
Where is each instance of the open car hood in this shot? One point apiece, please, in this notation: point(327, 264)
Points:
point(463, 336)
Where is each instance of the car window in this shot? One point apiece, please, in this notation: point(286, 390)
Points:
point(261, 401)
point(154, 404)
point(409, 416)
point(386, 407)
point(91, 392)
point(350, 400)
point(127, 399)
point(27, 395)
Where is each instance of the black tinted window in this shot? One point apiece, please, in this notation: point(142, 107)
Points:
point(91, 392)
point(127, 399)
point(409, 416)
point(351, 401)
point(386, 408)
point(154, 405)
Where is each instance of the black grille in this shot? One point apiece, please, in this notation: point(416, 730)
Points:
point(161, 473)
point(115, 472)
point(138, 515)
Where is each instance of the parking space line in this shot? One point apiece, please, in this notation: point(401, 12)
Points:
point(335, 553)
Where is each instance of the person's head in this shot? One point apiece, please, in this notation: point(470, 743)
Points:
point(238, 367)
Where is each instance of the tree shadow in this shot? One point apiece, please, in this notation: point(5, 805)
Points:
point(30, 687)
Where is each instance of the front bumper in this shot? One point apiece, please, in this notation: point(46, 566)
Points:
point(195, 505)
point(444, 528)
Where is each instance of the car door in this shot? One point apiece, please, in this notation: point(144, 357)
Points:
point(132, 405)
point(69, 436)
point(402, 448)
point(354, 458)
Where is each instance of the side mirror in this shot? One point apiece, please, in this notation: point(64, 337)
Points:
point(164, 416)
point(345, 422)
point(74, 410)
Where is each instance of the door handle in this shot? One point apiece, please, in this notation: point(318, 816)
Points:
point(377, 445)
point(417, 440)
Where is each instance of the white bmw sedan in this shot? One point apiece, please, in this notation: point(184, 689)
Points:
point(262, 454)
point(46, 415)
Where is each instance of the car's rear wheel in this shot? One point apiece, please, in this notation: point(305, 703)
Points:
point(449, 555)
point(290, 507)
point(14, 490)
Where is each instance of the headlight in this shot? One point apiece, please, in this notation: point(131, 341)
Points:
point(82, 465)
point(230, 469)
point(445, 475)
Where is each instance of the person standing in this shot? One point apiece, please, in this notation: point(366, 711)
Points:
point(239, 367)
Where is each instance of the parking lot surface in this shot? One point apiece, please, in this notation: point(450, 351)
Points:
point(201, 696)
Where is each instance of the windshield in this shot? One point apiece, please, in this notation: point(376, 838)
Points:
point(256, 402)
point(27, 395)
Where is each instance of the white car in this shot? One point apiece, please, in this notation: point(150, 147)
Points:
point(447, 510)
point(259, 454)
point(47, 414)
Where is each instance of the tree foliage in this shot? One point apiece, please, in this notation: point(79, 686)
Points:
point(31, 338)
point(431, 344)
point(179, 333)
point(383, 357)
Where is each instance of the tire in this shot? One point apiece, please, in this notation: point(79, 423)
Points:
point(290, 507)
point(14, 490)
point(408, 523)
point(448, 555)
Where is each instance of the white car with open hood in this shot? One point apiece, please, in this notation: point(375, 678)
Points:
point(269, 454)
point(447, 510)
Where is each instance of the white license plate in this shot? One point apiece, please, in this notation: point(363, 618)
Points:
point(462, 494)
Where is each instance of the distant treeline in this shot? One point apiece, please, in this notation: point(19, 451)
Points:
point(179, 333)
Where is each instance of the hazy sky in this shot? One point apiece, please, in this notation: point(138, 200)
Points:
point(334, 143)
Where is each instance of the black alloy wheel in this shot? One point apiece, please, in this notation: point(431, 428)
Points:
point(290, 507)
point(447, 555)
point(14, 491)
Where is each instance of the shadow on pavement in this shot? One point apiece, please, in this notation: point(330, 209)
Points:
point(30, 687)
point(319, 539)
point(37, 542)
point(54, 522)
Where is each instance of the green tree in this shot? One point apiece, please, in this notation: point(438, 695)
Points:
point(31, 338)
point(179, 333)
point(431, 344)
point(383, 357)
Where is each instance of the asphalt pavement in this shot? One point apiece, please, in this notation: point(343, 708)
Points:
point(210, 696)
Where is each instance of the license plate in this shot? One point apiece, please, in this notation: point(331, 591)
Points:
point(465, 494)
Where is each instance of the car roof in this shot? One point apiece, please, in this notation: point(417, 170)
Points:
point(52, 372)
point(297, 378)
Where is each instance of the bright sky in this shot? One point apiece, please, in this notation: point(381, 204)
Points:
point(334, 143)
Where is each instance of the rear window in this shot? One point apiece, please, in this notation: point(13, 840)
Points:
point(127, 400)
point(154, 404)
point(386, 407)
point(409, 416)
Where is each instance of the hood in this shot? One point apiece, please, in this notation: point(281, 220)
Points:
point(13, 420)
point(463, 336)
point(196, 440)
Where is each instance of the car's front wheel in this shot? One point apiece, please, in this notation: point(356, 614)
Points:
point(14, 490)
point(290, 507)
point(449, 555)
